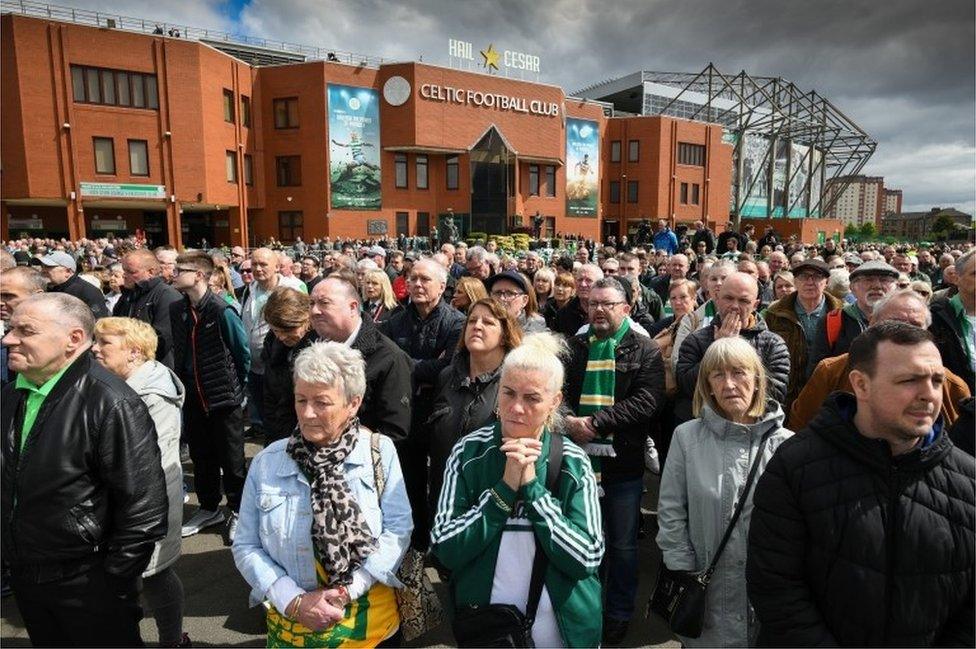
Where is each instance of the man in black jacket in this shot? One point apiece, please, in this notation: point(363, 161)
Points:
point(336, 316)
point(703, 235)
point(862, 528)
point(84, 497)
point(59, 267)
point(575, 313)
point(428, 330)
point(146, 296)
point(613, 426)
point(954, 322)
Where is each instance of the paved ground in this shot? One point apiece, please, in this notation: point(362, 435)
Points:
point(217, 614)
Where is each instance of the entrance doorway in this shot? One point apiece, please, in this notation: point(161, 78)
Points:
point(492, 173)
point(610, 228)
point(198, 229)
point(154, 225)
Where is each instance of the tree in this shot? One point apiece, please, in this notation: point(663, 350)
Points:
point(942, 226)
point(868, 231)
point(851, 232)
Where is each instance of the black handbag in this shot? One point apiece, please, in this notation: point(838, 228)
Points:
point(679, 597)
point(504, 625)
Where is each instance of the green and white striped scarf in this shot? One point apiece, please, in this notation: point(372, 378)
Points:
point(599, 383)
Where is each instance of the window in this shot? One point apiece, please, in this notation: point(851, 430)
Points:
point(286, 112)
point(400, 169)
point(633, 150)
point(113, 87)
point(290, 226)
point(423, 224)
point(614, 191)
point(631, 191)
point(228, 106)
point(138, 157)
point(615, 151)
point(452, 172)
point(695, 191)
point(245, 111)
point(422, 182)
point(104, 155)
point(691, 154)
point(248, 170)
point(402, 223)
point(550, 181)
point(231, 162)
point(533, 180)
point(684, 193)
point(288, 170)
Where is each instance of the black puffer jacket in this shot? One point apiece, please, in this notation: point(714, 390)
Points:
point(638, 397)
point(85, 292)
point(771, 348)
point(89, 478)
point(948, 338)
point(461, 406)
point(151, 301)
point(279, 388)
point(849, 546)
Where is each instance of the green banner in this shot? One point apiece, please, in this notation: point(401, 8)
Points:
point(354, 148)
point(132, 190)
point(582, 167)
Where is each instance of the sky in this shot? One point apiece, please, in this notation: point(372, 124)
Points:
point(903, 70)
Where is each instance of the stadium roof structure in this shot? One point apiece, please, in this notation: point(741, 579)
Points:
point(772, 107)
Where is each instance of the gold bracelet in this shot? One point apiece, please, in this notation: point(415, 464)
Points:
point(296, 608)
point(500, 501)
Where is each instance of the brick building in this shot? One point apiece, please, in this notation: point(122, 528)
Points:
point(110, 130)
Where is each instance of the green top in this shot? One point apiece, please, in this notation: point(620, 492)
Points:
point(35, 399)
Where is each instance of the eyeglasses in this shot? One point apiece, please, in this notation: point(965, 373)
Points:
point(810, 277)
point(185, 269)
point(606, 306)
point(506, 296)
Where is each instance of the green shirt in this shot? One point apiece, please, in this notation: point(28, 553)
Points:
point(35, 399)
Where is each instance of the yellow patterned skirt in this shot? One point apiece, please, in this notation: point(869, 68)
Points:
point(370, 619)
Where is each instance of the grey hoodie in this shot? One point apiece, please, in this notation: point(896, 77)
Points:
point(163, 394)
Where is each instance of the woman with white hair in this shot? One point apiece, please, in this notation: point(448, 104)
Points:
point(706, 479)
point(318, 541)
point(520, 500)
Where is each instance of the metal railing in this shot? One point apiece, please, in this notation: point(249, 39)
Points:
point(108, 20)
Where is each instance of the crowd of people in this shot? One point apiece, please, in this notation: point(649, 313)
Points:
point(806, 408)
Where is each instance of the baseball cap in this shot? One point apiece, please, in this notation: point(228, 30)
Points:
point(875, 267)
point(59, 258)
point(812, 264)
point(376, 250)
point(510, 275)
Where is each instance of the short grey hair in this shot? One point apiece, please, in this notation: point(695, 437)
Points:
point(477, 254)
point(594, 267)
point(964, 259)
point(69, 309)
point(32, 279)
point(839, 282)
point(612, 284)
point(332, 364)
point(902, 294)
point(436, 269)
point(366, 264)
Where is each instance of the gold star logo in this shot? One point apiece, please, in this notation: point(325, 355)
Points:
point(491, 57)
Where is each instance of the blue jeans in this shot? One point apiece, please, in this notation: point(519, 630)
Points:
point(621, 512)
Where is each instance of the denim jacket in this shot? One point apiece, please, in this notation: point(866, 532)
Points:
point(274, 536)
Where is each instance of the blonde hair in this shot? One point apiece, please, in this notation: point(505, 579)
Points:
point(723, 354)
point(386, 289)
point(136, 334)
point(539, 352)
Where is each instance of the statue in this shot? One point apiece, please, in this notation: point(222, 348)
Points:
point(450, 228)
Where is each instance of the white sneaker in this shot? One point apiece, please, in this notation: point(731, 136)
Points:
point(202, 519)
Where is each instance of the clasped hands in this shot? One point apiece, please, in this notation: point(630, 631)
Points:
point(520, 456)
point(320, 609)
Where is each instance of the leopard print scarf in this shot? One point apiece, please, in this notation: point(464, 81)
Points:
point(340, 533)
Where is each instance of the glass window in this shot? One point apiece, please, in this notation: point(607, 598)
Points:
point(633, 151)
point(422, 172)
point(684, 193)
point(286, 112)
point(78, 82)
point(290, 226)
point(104, 155)
point(614, 191)
point(691, 154)
point(400, 168)
point(122, 88)
point(248, 170)
point(695, 194)
point(533, 180)
point(229, 106)
point(138, 91)
point(93, 85)
point(288, 170)
point(453, 172)
point(615, 151)
point(108, 87)
point(631, 191)
point(138, 157)
point(550, 181)
point(231, 162)
point(152, 92)
point(245, 110)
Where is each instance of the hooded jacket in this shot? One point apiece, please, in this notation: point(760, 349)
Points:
point(163, 394)
point(851, 546)
point(708, 463)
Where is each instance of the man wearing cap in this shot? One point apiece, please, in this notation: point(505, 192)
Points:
point(378, 255)
point(869, 283)
point(510, 289)
point(59, 268)
point(797, 317)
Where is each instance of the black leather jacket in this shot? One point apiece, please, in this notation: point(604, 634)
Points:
point(88, 481)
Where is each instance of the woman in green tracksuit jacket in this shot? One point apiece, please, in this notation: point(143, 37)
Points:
point(494, 507)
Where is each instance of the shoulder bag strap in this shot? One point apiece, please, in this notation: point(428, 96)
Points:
point(541, 561)
point(707, 575)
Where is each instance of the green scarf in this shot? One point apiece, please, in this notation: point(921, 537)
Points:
point(599, 383)
point(968, 342)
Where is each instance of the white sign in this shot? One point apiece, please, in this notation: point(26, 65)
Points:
point(511, 59)
point(468, 97)
point(98, 224)
point(130, 190)
point(25, 223)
